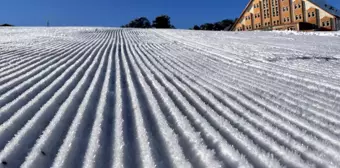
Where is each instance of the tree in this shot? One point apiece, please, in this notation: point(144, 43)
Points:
point(141, 22)
point(196, 27)
point(218, 26)
point(226, 24)
point(162, 22)
point(207, 26)
point(6, 25)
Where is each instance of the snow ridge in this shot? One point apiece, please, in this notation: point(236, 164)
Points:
point(101, 97)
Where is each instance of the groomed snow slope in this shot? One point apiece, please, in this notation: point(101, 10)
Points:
point(99, 97)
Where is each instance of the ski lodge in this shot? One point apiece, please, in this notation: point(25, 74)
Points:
point(306, 15)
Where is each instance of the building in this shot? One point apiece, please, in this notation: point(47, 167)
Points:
point(288, 15)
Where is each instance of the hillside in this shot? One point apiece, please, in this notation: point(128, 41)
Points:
point(101, 97)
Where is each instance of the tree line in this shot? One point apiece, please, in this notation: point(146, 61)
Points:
point(164, 22)
point(5, 25)
point(225, 24)
point(161, 22)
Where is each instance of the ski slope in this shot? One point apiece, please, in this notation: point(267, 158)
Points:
point(102, 97)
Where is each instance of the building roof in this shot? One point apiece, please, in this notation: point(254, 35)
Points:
point(244, 10)
point(327, 7)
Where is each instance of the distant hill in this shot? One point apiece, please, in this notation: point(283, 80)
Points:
point(5, 25)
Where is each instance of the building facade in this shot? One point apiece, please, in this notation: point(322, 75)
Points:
point(288, 15)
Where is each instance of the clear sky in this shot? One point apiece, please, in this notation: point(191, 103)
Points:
point(183, 13)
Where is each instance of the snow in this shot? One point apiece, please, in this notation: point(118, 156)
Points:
point(108, 97)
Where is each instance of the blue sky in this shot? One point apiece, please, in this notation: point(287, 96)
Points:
point(184, 13)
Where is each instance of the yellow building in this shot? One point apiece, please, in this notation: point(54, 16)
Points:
point(288, 15)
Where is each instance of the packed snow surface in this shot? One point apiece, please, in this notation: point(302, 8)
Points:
point(102, 97)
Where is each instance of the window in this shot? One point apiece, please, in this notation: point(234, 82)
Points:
point(313, 14)
point(300, 16)
point(328, 23)
point(296, 17)
point(309, 14)
point(284, 19)
point(323, 24)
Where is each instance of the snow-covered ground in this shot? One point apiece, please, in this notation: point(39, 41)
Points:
point(100, 97)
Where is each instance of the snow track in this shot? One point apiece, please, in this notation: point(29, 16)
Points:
point(100, 97)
